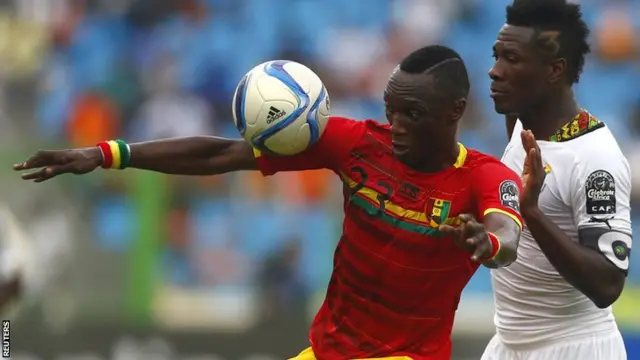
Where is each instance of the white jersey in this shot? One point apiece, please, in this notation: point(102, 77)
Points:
point(36, 258)
point(588, 184)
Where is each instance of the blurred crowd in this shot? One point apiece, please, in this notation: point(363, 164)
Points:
point(147, 69)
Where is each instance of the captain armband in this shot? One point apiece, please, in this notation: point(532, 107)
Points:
point(614, 245)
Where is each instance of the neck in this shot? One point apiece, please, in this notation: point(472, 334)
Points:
point(545, 118)
point(438, 160)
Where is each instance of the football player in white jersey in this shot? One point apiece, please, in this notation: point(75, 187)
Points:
point(29, 265)
point(554, 302)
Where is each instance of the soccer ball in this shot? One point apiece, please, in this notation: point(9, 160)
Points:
point(281, 107)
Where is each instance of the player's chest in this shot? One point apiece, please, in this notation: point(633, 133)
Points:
point(406, 205)
point(556, 192)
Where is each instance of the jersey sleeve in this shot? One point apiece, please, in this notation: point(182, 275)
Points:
point(497, 190)
point(600, 202)
point(340, 136)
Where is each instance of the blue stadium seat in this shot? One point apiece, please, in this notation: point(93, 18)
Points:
point(322, 230)
point(270, 228)
point(480, 283)
point(207, 216)
point(95, 49)
point(114, 223)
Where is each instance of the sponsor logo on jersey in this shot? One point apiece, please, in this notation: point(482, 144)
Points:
point(510, 195)
point(600, 190)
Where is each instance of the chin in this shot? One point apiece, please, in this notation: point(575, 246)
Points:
point(503, 110)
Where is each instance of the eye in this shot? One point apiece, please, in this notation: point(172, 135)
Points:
point(414, 114)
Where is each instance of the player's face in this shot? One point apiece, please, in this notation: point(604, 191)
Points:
point(518, 75)
point(419, 121)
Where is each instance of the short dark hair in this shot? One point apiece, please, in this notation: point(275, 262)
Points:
point(446, 66)
point(556, 15)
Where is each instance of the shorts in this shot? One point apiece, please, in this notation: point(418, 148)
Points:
point(607, 346)
point(307, 354)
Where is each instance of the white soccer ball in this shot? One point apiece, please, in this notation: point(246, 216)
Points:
point(281, 107)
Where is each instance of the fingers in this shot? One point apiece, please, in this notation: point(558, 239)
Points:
point(481, 246)
point(47, 173)
point(528, 140)
point(450, 231)
point(465, 217)
point(40, 159)
point(471, 236)
point(535, 162)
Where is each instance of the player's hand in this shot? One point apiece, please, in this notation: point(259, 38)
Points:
point(471, 236)
point(51, 163)
point(533, 173)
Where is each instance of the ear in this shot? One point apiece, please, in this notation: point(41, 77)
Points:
point(458, 109)
point(557, 70)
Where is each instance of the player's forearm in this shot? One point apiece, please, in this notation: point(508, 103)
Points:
point(583, 268)
point(508, 233)
point(508, 251)
point(198, 155)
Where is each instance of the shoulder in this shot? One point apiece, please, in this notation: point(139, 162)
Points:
point(597, 151)
point(598, 146)
point(353, 126)
point(369, 133)
point(486, 170)
point(481, 163)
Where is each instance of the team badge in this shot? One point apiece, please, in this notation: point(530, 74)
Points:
point(510, 195)
point(620, 250)
point(439, 211)
point(600, 190)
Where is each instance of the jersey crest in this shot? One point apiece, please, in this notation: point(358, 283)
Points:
point(438, 211)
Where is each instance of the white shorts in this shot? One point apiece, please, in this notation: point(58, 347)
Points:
point(598, 347)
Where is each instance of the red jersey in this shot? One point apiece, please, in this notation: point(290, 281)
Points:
point(396, 279)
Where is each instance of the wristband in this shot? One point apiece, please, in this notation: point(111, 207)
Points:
point(495, 246)
point(116, 154)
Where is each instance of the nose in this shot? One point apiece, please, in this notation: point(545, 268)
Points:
point(495, 72)
point(396, 125)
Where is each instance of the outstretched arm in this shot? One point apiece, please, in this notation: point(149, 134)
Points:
point(599, 197)
point(199, 155)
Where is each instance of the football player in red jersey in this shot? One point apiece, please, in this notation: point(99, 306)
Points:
point(422, 212)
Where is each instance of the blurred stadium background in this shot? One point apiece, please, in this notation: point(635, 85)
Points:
point(233, 267)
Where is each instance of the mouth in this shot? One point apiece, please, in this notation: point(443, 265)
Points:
point(399, 147)
point(498, 93)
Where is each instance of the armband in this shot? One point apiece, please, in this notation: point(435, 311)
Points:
point(614, 245)
point(116, 154)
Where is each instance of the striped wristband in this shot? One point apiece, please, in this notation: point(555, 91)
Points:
point(495, 246)
point(116, 154)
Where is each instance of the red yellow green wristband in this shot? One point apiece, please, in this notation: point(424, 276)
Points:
point(116, 154)
point(495, 246)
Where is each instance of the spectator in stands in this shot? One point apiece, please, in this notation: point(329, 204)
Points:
point(282, 290)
